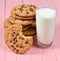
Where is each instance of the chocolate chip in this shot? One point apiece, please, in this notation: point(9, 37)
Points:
point(12, 46)
point(21, 38)
point(27, 12)
point(22, 6)
point(14, 42)
point(10, 41)
point(16, 45)
point(26, 42)
point(17, 50)
point(31, 9)
point(21, 46)
point(13, 32)
point(17, 34)
point(15, 9)
point(14, 38)
point(10, 23)
point(20, 9)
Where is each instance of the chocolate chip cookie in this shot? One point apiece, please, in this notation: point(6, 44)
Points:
point(16, 41)
point(24, 12)
point(20, 28)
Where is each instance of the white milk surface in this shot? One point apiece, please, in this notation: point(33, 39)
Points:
point(45, 24)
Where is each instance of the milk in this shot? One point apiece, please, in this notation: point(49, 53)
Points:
point(45, 25)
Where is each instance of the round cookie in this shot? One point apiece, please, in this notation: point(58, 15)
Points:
point(16, 41)
point(20, 46)
point(24, 11)
point(29, 31)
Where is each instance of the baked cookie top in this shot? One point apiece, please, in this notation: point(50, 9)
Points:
point(19, 45)
point(16, 41)
point(24, 10)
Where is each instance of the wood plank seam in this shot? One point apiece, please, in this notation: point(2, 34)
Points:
point(53, 45)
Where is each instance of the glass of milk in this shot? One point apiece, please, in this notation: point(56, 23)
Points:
point(45, 25)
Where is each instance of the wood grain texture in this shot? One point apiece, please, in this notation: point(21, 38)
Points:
point(34, 54)
point(55, 4)
point(34, 2)
point(2, 43)
point(9, 55)
point(56, 45)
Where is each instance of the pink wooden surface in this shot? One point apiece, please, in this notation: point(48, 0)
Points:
point(34, 54)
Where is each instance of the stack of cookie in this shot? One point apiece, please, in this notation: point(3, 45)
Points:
point(25, 14)
point(20, 28)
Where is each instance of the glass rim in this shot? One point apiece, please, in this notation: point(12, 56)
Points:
point(47, 7)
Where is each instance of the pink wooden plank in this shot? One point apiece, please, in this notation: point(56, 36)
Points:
point(9, 54)
point(36, 54)
point(38, 3)
point(23, 57)
point(44, 3)
point(34, 2)
point(9, 5)
point(56, 4)
point(57, 44)
point(2, 17)
point(49, 54)
point(17, 2)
